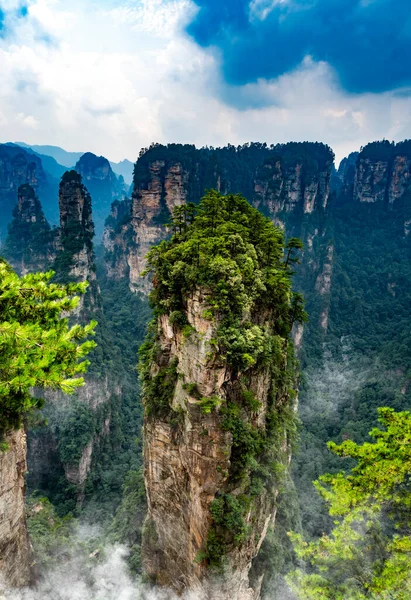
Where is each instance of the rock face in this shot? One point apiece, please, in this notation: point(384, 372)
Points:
point(344, 177)
point(371, 179)
point(15, 551)
point(28, 206)
point(151, 207)
point(383, 172)
point(188, 459)
point(30, 244)
point(281, 187)
point(116, 236)
point(76, 258)
point(282, 181)
point(17, 167)
point(102, 184)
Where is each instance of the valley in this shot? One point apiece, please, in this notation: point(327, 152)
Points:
point(85, 452)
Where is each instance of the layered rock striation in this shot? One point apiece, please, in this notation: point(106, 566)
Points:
point(284, 182)
point(218, 390)
point(15, 550)
point(383, 172)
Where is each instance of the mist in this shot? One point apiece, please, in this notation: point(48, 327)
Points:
point(107, 579)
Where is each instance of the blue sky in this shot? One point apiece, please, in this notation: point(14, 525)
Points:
point(112, 77)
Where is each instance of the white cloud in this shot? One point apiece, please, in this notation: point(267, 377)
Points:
point(112, 77)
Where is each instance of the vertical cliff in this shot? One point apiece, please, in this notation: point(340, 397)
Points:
point(102, 184)
point(75, 260)
point(17, 168)
point(285, 182)
point(15, 551)
point(383, 172)
point(218, 390)
point(31, 244)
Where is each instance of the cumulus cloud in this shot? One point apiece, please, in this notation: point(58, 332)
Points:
point(364, 41)
point(112, 76)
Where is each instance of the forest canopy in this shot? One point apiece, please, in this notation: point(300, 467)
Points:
point(368, 553)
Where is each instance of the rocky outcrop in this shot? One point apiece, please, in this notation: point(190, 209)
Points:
point(383, 172)
point(75, 259)
point(371, 180)
point(117, 239)
point(279, 187)
point(279, 180)
point(400, 181)
point(15, 551)
point(343, 179)
point(152, 206)
point(188, 458)
point(17, 168)
point(28, 206)
point(102, 184)
point(127, 239)
point(30, 244)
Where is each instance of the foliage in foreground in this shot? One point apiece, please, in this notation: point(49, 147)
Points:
point(368, 553)
point(38, 348)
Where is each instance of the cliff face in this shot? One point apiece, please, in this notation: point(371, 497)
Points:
point(76, 260)
point(282, 181)
point(102, 184)
point(383, 172)
point(187, 467)
point(279, 187)
point(30, 244)
point(15, 551)
point(150, 210)
point(215, 425)
point(17, 167)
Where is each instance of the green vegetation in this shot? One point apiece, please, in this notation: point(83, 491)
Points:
point(232, 168)
point(28, 240)
point(128, 523)
point(38, 348)
point(232, 256)
point(76, 233)
point(58, 541)
point(363, 360)
point(368, 553)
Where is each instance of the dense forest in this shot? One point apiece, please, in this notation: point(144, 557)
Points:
point(352, 267)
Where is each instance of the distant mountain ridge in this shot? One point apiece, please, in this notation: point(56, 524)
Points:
point(22, 164)
point(68, 159)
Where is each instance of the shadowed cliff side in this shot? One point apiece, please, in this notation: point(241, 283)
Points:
point(219, 377)
point(15, 551)
point(103, 185)
point(290, 183)
point(31, 244)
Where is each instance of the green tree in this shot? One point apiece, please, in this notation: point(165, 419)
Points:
point(292, 245)
point(38, 348)
point(368, 553)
